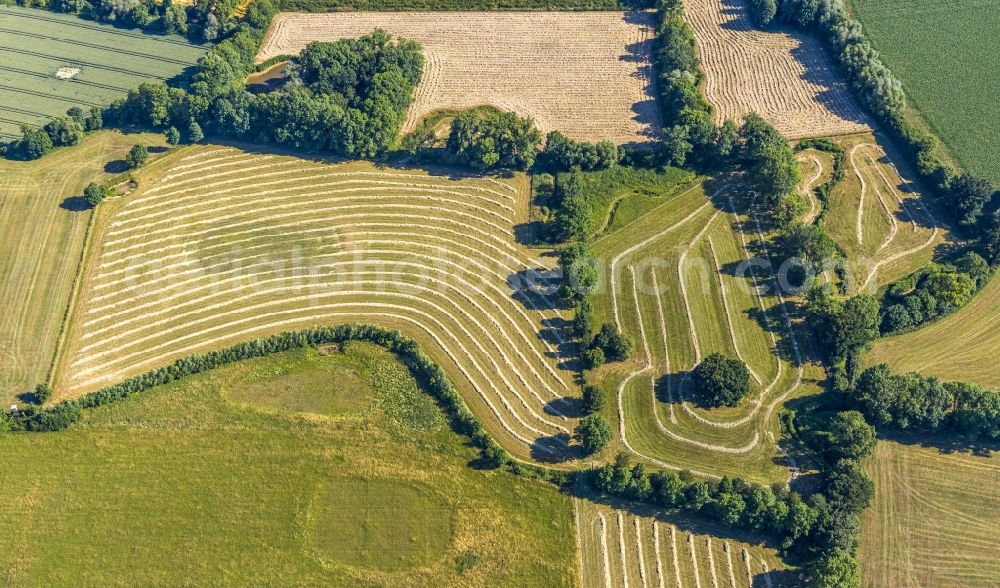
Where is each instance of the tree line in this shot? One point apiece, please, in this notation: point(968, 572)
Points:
point(200, 21)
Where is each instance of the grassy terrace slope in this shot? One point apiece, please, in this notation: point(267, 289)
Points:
point(961, 346)
point(300, 468)
point(677, 288)
point(42, 230)
point(933, 522)
point(222, 245)
point(945, 54)
point(36, 43)
point(879, 218)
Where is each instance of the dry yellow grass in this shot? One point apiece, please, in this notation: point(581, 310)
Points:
point(933, 522)
point(784, 76)
point(625, 548)
point(583, 73)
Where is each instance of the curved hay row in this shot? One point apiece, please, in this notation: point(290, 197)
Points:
point(809, 185)
point(430, 253)
point(201, 306)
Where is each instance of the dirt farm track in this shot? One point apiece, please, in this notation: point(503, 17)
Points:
point(584, 73)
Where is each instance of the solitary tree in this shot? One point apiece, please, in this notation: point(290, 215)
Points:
point(137, 155)
point(722, 381)
point(93, 194)
point(173, 136)
point(593, 433)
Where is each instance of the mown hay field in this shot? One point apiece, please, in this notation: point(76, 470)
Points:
point(933, 520)
point(782, 75)
point(43, 226)
point(34, 44)
point(945, 55)
point(959, 347)
point(229, 478)
point(624, 548)
point(886, 227)
point(220, 245)
point(586, 74)
point(678, 287)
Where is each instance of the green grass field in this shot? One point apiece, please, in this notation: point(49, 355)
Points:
point(42, 233)
point(35, 43)
point(222, 479)
point(878, 217)
point(945, 54)
point(958, 347)
point(933, 521)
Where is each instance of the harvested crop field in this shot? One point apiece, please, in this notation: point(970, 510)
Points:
point(933, 520)
point(225, 245)
point(783, 75)
point(36, 44)
point(625, 548)
point(586, 74)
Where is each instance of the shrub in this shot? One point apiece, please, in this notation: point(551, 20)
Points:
point(721, 380)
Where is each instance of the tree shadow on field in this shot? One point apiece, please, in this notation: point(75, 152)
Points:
point(818, 70)
point(555, 449)
point(945, 443)
point(75, 204)
point(568, 406)
point(646, 111)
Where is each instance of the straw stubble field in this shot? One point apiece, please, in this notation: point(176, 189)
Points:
point(783, 75)
point(586, 74)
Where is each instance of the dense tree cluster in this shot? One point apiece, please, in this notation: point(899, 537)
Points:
point(562, 154)
point(925, 404)
point(573, 211)
point(579, 272)
point(202, 20)
point(486, 139)
point(843, 327)
point(61, 131)
point(687, 116)
point(609, 344)
point(350, 97)
point(721, 380)
point(771, 168)
point(934, 291)
point(762, 12)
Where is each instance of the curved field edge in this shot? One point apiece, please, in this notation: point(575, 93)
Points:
point(234, 488)
point(954, 348)
point(203, 215)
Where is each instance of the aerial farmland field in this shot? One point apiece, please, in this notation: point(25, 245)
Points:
point(306, 468)
point(783, 75)
point(946, 57)
point(43, 227)
point(198, 261)
point(586, 74)
point(104, 63)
